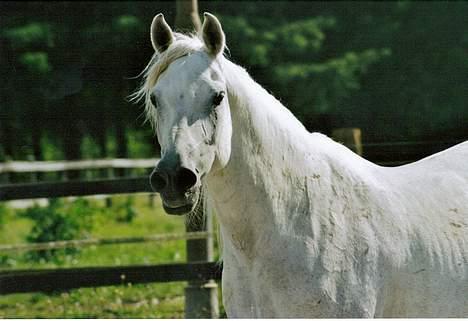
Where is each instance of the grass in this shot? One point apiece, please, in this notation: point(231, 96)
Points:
point(163, 300)
point(133, 301)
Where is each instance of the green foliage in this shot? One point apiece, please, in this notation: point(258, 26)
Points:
point(158, 300)
point(90, 150)
point(291, 56)
point(138, 143)
point(301, 39)
point(122, 210)
point(398, 70)
point(341, 76)
point(30, 34)
point(266, 46)
point(50, 148)
point(127, 22)
point(59, 221)
point(35, 62)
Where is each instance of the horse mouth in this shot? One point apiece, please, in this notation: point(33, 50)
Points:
point(181, 204)
point(179, 210)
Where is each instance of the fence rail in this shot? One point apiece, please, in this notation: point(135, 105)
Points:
point(400, 153)
point(74, 188)
point(56, 166)
point(106, 241)
point(49, 280)
point(200, 293)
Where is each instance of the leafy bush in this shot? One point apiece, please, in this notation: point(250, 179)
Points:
point(124, 212)
point(59, 221)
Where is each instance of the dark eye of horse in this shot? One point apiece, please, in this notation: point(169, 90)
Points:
point(154, 101)
point(218, 98)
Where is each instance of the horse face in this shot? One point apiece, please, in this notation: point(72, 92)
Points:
point(193, 123)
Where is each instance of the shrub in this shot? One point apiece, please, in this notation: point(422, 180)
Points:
point(60, 220)
point(124, 212)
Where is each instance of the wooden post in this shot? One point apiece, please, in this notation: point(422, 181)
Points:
point(201, 298)
point(187, 17)
point(350, 137)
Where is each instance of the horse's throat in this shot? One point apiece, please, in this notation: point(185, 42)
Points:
point(245, 191)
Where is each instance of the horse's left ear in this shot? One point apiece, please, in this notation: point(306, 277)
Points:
point(212, 34)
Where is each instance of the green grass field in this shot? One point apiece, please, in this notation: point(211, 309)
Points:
point(162, 300)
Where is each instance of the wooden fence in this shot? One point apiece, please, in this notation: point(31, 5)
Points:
point(51, 280)
point(19, 171)
point(52, 166)
point(200, 272)
point(390, 153)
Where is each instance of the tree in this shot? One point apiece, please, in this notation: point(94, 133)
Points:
point(396, 69)
point(187, 17)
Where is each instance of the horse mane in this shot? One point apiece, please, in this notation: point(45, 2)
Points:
point(183, 45)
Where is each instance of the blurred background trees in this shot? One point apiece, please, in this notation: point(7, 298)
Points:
point(398, 70)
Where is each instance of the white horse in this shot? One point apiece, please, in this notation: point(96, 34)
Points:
point(310, 229)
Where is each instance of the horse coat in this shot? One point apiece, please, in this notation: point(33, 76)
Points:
point(309, 228)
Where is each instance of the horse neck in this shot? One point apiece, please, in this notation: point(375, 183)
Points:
point(261, 124)
point(267, 141)
point(279, 175)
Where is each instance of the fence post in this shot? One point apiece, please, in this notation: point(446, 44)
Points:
point(350, 137)
point(201, 298)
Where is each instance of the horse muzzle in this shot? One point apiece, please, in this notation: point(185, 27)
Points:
point(178, 188)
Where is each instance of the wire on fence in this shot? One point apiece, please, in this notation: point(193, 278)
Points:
point(106, 241)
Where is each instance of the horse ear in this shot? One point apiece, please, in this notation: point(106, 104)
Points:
point(212, 34)
point(161, 33)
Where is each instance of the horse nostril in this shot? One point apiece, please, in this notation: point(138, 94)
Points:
point(185, 178)
point(158, 181)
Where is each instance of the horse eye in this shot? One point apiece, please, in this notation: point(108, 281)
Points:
point(153, 100)
point(218, 98)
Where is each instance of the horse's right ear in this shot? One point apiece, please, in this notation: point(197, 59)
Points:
point(161, 33)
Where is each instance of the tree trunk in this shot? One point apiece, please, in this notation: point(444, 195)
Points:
point(36, 143)
point(71, 133)
point(121, 141)
point(7, 138)
point(187, 18)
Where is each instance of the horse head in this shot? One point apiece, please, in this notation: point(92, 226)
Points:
point(186, 99)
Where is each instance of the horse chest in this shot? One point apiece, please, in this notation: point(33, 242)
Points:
point(284, 281)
